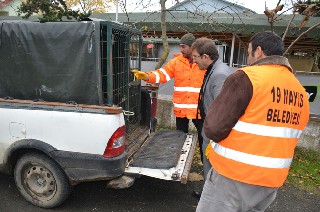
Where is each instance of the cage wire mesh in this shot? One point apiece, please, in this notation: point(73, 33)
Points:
point(120, 53)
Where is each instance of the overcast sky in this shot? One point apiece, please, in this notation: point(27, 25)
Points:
point(255, 5)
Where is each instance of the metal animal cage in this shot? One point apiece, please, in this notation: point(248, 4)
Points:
point(120, 48)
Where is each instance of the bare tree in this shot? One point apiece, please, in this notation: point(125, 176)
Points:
point(165, 54)
point(171, 21)
point(306, 8)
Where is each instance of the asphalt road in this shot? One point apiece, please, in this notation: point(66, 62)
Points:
point(146, 195)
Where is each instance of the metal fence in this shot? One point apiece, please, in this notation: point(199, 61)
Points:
point(121, 52)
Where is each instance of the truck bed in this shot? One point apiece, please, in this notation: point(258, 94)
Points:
point(167, 154)
point(161, 151)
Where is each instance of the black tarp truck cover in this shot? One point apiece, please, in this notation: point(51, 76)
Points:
point(55, 61)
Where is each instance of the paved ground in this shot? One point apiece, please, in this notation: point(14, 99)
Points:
point(146, 195)
point(294, 200)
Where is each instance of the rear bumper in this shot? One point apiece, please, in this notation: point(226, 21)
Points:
point(81, 167)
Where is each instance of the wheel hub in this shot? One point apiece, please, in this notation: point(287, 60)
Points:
point(40, 181)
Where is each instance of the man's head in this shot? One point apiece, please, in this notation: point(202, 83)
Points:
point(185, 45)
point(204, 52)
point(264, 44)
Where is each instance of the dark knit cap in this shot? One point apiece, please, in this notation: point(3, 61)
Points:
point(187, 39)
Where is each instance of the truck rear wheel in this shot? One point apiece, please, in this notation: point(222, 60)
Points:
point(41, 181)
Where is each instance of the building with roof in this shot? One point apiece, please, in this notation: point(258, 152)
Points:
point(9, 7)
point(234, 30)
point(202, 6)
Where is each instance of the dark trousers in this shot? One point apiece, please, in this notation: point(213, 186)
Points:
point(183, 124)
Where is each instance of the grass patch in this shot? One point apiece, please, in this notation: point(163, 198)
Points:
point(305, 170)
point(160, 127)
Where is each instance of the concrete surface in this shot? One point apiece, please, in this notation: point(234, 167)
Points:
point(310, 137)
point(146, 195)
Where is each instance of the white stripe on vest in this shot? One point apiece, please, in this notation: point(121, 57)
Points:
point(185, 105)
point(257, 129)
point(187, 89)
point(157, 77)
point(250, 159)
point(165, 73)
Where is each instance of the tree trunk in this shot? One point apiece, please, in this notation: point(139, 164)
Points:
point(165, 54)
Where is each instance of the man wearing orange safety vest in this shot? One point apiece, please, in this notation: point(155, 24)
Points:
point(187, 83)
point(254, 124)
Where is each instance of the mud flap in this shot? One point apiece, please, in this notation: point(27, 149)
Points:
point(166, 155)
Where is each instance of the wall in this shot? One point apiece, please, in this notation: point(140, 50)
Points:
point(310, 137)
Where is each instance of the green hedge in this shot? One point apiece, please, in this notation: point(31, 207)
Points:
point(4, 13)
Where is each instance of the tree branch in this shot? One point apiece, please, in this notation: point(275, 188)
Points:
point(285, 32)
point(164, 35)
point(298, 38)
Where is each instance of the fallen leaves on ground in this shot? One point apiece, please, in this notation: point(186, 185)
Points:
point(195, 177)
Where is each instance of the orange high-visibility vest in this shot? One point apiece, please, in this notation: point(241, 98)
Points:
point(260, 147)
point(188, 79)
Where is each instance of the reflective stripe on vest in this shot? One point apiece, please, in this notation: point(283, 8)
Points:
point(188, 79)
point(157, 77)
point(250, 159)
point(185, 105)
point(281, 132)
point(187, 89)
point(165, 73)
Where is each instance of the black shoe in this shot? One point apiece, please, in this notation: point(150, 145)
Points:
point(196, 194)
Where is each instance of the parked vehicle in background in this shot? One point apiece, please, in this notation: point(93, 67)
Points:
point(71, 110)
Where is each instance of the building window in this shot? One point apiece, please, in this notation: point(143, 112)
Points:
point(149, 52)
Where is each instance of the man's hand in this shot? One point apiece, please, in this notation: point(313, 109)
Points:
point(140, 75)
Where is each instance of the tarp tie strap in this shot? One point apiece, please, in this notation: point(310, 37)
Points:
point(128, 113)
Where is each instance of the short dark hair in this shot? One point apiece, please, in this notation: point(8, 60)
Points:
point(206, 46)
point(270, 43)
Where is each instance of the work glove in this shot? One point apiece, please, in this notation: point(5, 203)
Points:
point(140, 75)
point(207, 149)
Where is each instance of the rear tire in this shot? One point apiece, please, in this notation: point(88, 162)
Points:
point(41, 181)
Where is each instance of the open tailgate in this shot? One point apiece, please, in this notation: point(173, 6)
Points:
point(167, 155)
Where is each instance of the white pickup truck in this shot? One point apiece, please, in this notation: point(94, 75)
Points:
point(71, 110)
